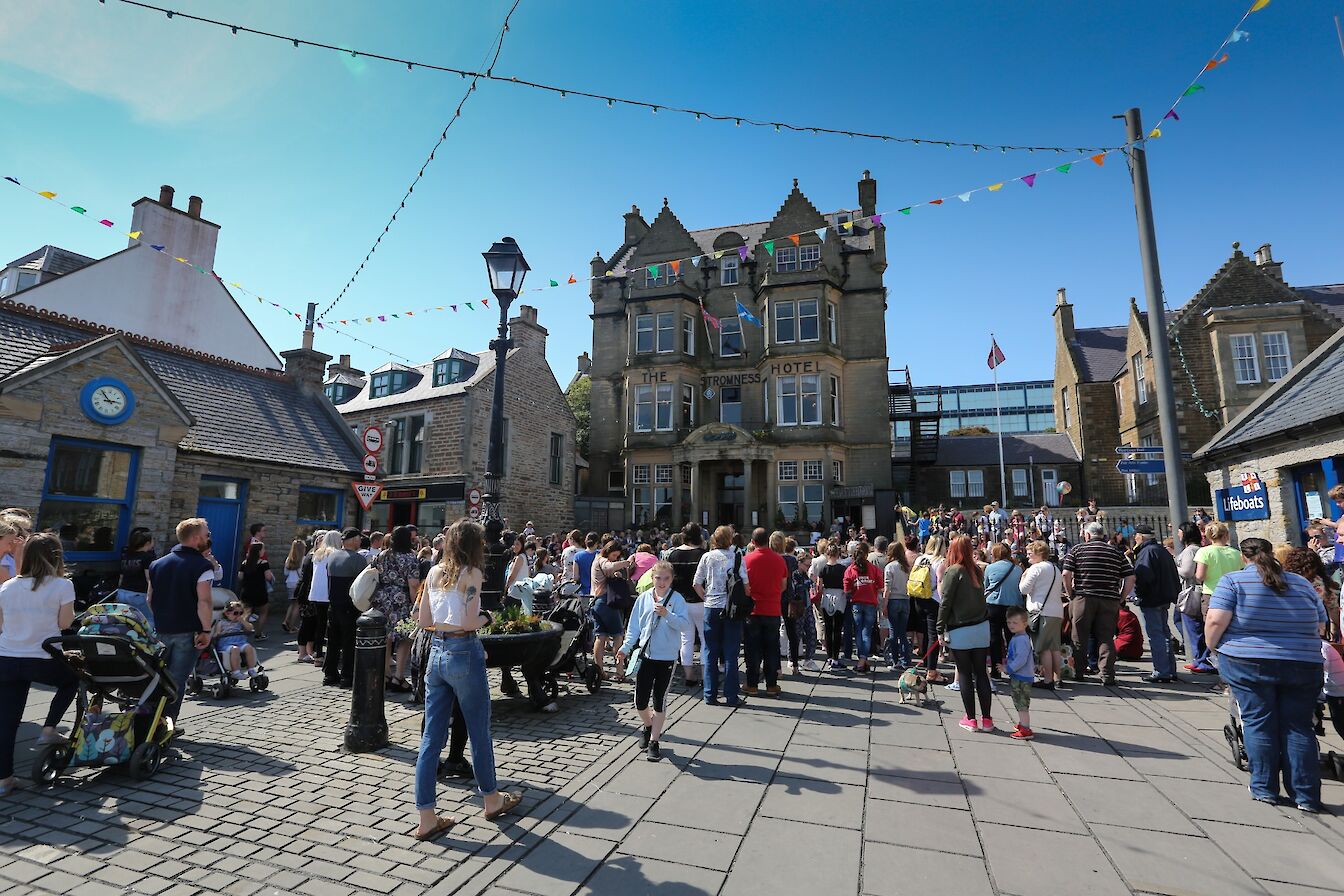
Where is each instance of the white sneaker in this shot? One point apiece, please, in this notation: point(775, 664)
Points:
point(953, 686)
point(239, 675)
point(811, 666)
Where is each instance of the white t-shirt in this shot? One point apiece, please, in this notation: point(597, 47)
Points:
point(30, 615)
point(318, 590)
point(1044, 588)
point(7, 562)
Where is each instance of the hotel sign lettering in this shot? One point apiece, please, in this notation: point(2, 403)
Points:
point(719, 380)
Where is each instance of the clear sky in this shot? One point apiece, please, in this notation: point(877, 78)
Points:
point(301, 154)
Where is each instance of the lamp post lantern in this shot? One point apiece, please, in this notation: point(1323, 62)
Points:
point(507, 268)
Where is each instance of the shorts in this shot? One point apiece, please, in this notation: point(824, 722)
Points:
point(607, 619)
point(1021, 694)
point(1048, 638)
point(228, 642)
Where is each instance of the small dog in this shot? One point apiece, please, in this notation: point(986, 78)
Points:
point(912, 686)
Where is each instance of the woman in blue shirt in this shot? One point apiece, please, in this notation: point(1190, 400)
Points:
point(1266, 626)
point(656, 623)
point(1001, 592)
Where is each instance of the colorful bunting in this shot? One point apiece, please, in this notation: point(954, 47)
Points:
point(935, 202)
point(964, 197)
point(653, 271)
point(1171, 113)
point(553, 283)
point(46, 193)
point(676, 265)
point(1192, 90)
point(742, 252)
point(13, 180)
point(1214, 63)
point(1064, 169)
point(876, 219)
point(994, 188)
point(1154, 133)
point(1029, 179)
point(78, 210)
point(904, 211)
point(1259, 5)
point(135, 234)
point(794, 238)
point(1099, 158)
point(105, 223)
point(571, 279)
point(769, 247)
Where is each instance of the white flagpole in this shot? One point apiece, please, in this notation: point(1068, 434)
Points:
point(998, 412)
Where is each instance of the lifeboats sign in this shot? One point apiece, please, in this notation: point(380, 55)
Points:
point(1243, 502)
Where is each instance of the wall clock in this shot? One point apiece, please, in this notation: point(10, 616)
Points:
point(107, 401)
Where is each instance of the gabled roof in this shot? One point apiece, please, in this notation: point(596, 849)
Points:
point(666, 238)
point(1311, 393)
point(423, 389)
point(1099, 352)
point(236, 411)
point(1038, 448)
point(51, 260)
point(796, 215)
point(456, 354)
point(1330, 298)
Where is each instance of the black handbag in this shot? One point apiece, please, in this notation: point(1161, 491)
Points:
point(739, 605)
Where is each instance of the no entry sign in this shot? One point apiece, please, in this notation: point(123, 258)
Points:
point(367, 493)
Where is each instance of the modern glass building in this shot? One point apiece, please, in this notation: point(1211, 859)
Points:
point(1026, 406)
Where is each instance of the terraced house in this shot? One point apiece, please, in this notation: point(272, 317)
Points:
point(738, 372)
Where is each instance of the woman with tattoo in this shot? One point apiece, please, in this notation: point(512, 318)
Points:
point(455, 674)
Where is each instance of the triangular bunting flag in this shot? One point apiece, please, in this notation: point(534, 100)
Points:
point(571, 279)
point(935, 202)
point(794, 238)
point(382, 318)
point(1029, 179)
point(1238, 36)
point(742, 252)
point(454, 307)
point(1100, 158)
point(236, 285)
point(135, 234)
point(183, 260)
point(157, 248)
point(1193, 89)
point(905, 211)
point(409, 313)
point(485, 302)
point(1259, 5)
point(46, 193)
point(78, 209)
point(1171, 113)
point(1064, 169)
point(675, 264)
point(469, 306)
point(769, 247)
point(820, 233)
point(964, 197)
point(876, 219)
point(199, 269)
point(1154, 133)
point(718, 253)
point(847, 225)
point(105, 223)
point(653, 271)
point(1214, 63)
point(554, 283)
point(695, 261)
point(13, 180)
point(994, 188)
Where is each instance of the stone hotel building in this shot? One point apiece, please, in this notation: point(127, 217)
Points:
point(776, 423)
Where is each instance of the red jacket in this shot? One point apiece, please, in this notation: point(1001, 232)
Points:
point(863, 588)
point(767, 573)
point(1128, 636)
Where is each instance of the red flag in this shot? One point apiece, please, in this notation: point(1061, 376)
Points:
point(995, 353)
point(709, 318)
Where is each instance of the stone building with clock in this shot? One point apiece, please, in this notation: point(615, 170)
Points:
point(105, 427)
point(701, 414)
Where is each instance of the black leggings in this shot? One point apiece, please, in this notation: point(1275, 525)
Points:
point(998, 633)
point(652, 681)
point(928, 611)
point(973, 676)
point(1336, 705)
point(792, 629)
point(834, 624)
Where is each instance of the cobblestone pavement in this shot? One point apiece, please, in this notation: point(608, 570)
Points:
point(836, 787)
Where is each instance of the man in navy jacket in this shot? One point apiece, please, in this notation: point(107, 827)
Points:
point(1156, 583)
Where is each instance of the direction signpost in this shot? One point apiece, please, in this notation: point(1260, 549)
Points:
point(1134, 467)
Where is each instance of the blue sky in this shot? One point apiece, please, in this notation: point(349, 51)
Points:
point(300, 154)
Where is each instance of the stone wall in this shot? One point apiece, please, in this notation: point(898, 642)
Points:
point(1275, 464)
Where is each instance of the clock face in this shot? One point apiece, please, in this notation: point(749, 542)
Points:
point(108, 401)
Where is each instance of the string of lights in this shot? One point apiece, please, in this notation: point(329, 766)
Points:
point(611, 101)
point(496, 48)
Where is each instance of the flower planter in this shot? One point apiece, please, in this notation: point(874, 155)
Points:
point(533, 653)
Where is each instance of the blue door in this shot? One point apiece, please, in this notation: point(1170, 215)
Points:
point(221, 506)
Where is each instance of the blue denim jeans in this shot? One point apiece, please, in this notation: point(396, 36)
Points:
point(898, 645)
point(180, 658)
point(1195, 645)
point(865, 617)
point(1278, 701)
point(847, 636)
point(455, 673)
point(138, 600)
point(723, 640)
point(1159, 640)
point(762, 649)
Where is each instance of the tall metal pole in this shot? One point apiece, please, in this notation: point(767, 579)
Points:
point(494, 469)
point(1157, 323)
point(998, 411)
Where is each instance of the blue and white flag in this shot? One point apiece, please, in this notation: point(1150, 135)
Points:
point(745, 313)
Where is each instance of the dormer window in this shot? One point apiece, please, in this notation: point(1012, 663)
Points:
point(340, 393)
point(390, 383)
point(449, 371)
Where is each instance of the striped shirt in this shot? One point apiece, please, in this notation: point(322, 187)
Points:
point(1267, 625)
point(1098, 569)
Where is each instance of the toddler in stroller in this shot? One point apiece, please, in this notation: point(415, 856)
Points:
point(230, 657)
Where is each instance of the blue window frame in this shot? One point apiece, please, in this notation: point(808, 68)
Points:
point(390, 383)
point(321, 506)
point(88, 495)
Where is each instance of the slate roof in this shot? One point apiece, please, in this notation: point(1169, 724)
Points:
point(1099, 352)
point(52, 260)
point(980, 451)
point(240, 412)
point(1312, 392)
point(752, 234)
point(423, 389)
point(1330, 298)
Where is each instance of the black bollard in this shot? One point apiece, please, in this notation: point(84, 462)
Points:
point(367, 730)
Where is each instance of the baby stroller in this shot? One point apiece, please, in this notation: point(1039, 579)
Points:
point(575, 645)
point(213, 666)
point(118, 661)
point(1332, 763)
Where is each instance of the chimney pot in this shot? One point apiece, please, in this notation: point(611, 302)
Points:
point(1060, 297)
point(194, 206)
point(1264, 255)
point(166, 196)
point(345, 360)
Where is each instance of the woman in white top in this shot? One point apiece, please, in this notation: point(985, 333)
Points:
point(34, 606)
point(314, 594)
point(13, 532)
point(455, 674)
point(1043, 587)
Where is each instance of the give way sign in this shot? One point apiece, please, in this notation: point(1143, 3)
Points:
point(367, 493)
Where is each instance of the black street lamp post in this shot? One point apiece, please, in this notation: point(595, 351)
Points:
point(507, 268)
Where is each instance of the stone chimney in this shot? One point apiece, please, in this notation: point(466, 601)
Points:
point(867, 195)
point(1064, 316)
point(585, 364)
point(183, 234)
point(526, 332)
point(344, 366)
point(1264, 258)
point(635, 226)
point(305, 365)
